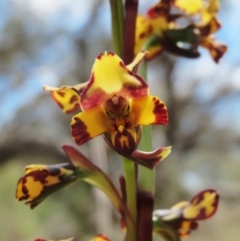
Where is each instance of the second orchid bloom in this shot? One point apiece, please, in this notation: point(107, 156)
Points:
point(180, 27)
point(114, 102)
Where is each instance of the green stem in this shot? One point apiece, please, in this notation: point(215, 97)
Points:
point(146, 176)
point(117, 25)
point(146, 180)
point(131, 195)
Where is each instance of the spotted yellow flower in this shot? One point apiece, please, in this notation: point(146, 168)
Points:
point(184, 216)
point(115, 102)
point(40, 181)
point(160, 30)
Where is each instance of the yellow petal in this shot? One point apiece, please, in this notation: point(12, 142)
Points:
point(39, 178)
point(28, 189)
point(202, 206)
point(148, 110)
point(145, 28)
point(67, 97)
point(89, 124)
point(189, 6)
point(110, 76)
point(214, 6)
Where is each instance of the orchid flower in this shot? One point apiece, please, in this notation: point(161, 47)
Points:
point(183, 217)
point(160, 29)
point(40, 181)
point(114, 102)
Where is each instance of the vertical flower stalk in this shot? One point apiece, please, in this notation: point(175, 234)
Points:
point(117, 25)
point(131, 8)
point(127, 54)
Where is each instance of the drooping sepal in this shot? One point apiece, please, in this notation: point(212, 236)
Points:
point(150, 159)
point(147, 159)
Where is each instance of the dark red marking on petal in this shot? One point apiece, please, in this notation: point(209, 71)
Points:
point(79, 131)
point(75, 108)
point(58, 103)
point(100, 56)
point(110, 53)
point(122, 64)
point(39, 175)
point(62, 94)
point(160, 112)
point(73, 99)
point(122, 146)
point(142, 35)
point(84, 97)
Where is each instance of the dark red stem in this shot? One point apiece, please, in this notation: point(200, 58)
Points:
point(131, 8)
point(145, 209)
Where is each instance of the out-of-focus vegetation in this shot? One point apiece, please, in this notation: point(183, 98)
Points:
point(55, 42)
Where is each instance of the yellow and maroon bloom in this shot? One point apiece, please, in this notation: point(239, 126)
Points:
point(184, 216)
point(40, 181)
point(160, 29)
point(114, 102)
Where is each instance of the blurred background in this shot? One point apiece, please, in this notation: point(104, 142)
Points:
point(55, 42)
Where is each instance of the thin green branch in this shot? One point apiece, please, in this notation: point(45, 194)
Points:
point(131, 195)
point(117, 17)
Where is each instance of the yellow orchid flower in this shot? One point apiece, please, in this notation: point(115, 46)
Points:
point(114, 102)
point(153, 23)
point(159, 30)
point(68, 97)
point(184, 216)
point(40, 181)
